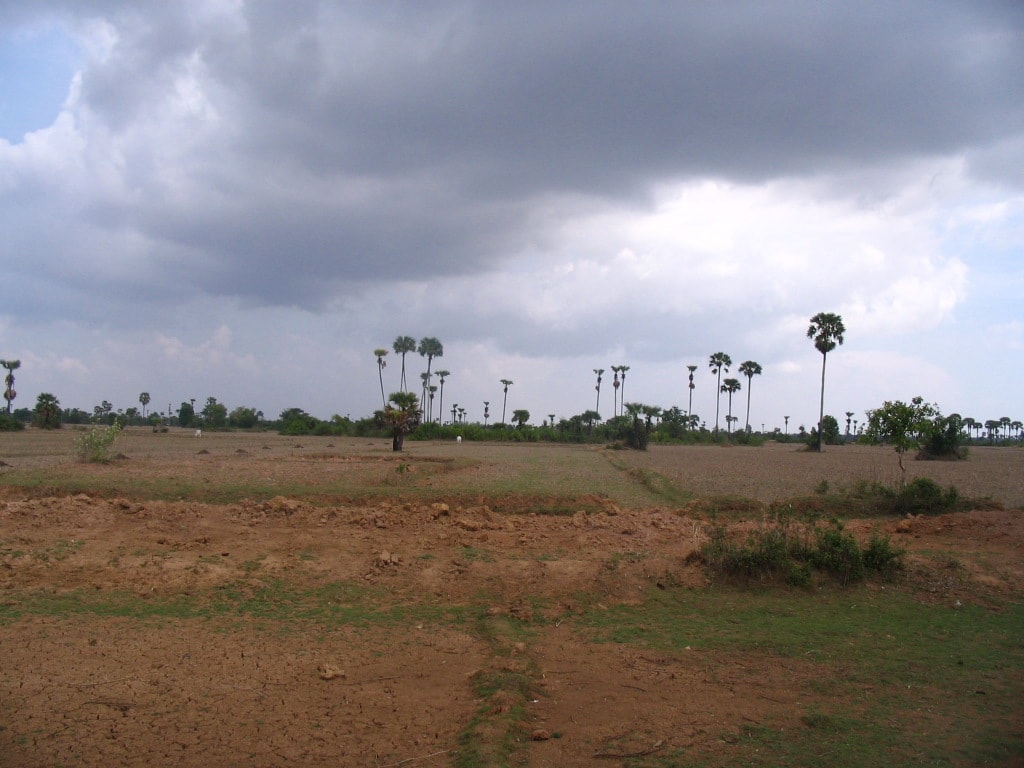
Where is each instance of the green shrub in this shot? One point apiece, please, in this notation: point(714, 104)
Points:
point(923, 496)
point(838, 554)
point(790, 552)
point(881, 557)
point(94, 445)
point(8, 424)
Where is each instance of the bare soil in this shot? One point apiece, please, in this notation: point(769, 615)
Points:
point(91, 690)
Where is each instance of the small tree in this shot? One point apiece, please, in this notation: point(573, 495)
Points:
point(520, 416)
point(401, 416)
point(48, 411)
point(900, 425)
point(94, 445)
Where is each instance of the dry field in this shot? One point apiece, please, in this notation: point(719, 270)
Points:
point(259, 600)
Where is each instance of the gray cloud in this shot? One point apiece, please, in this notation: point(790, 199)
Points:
point(330, 145)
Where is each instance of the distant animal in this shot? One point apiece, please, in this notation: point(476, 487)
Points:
point(199, 433)
point(458, 439)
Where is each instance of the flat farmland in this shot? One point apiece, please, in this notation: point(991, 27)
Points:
point(263, 600)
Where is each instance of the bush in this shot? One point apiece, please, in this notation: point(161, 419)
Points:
point(881, 557)
point(839, 555)
point(94, 445)
point(785, 552)
point(923, 496)
point(8, 424)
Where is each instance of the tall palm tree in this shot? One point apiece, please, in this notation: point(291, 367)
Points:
point(424, 383)
point(598, 371)
point(1005, 422)
point(507, 383)
point(440, 404)
point(9, 393)
point(730, 386)
point(402, 346)
point(381, 364)
point(144, 399)
point(429, 348)
point(827, 330)
point(750, 369)
point(622, 392)
point(615, 391)
point(691, 369)
point(487, 411)
point(719, 362)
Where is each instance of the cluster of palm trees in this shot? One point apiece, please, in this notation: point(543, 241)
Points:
point(619, 385)
point(994, 428)
point(826, 330)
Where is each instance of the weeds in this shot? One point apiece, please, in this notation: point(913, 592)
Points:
point(783, 550)
point(94, 445)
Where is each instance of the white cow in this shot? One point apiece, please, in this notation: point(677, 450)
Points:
point(199, 433)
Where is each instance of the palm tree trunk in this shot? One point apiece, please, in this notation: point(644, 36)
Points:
point(718, 399)
point(821, 408)
point(750, 379)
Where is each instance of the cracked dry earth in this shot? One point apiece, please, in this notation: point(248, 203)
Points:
point(146, 682)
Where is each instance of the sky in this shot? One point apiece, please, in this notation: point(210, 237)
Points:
point(242, 199)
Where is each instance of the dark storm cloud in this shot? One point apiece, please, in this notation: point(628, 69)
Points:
point(360, 142)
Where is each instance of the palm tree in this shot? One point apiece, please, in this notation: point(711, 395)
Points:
point(750, 369)
point(9, 393)
point(827, 330)
point(380, 353)
point(402, 346)
point(401, 416)
point(786, 418)
point(430, 348)
point(431, 391)
point(622, 392)
point(717, 363)
point(424, 383)
point(487, 411)
point(144, 399)
point(849, 418)
point(691, 369)
point(508, 383)
point(48, 411)
point(615, 391)
point(598, 371)
point(440, 403)
point(730, 386)
point(1005, 421)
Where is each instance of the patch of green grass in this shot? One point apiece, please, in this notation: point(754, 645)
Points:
point(471, 554)
point(61, 549)
point(917, 684)
point(273, 601)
